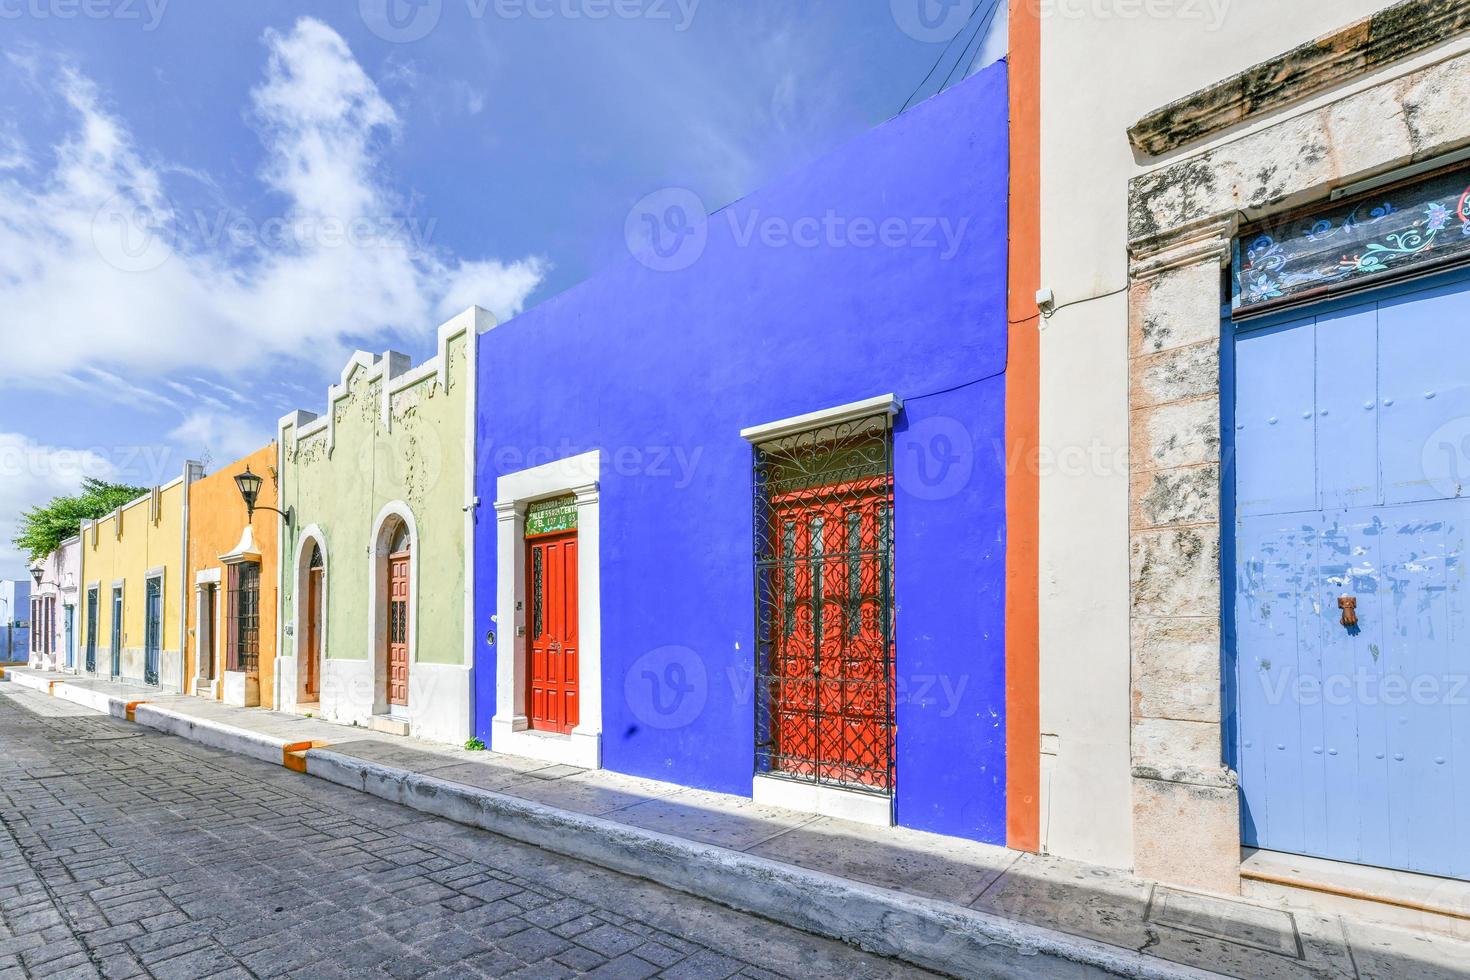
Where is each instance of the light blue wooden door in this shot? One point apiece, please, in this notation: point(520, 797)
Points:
point(117, 632)
point(1351, 442)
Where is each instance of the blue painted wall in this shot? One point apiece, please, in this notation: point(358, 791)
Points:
point(662, 369)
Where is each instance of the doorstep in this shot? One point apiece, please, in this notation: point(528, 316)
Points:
point(389, 725)
point(957, 906)
point(1413, 901)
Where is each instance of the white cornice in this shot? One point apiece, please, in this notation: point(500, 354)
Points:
point(880, 405)
point(393, 370)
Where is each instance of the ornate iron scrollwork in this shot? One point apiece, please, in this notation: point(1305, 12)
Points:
point(825, 683)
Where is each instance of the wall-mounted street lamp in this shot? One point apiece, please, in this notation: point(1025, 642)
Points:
point(249, 485)
point(36, 573)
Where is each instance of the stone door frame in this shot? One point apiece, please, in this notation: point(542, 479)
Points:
point(1186, 810)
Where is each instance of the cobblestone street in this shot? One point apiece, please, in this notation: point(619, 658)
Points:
point(128, 853)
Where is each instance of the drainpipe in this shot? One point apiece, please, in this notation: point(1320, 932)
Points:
point(192, 471)
point(278, 702)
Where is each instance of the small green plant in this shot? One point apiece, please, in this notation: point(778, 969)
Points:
point(310, 715)
point(475, 744)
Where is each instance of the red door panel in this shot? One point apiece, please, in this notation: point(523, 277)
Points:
point(398, 613)
point(552, 649)
point(831, 702)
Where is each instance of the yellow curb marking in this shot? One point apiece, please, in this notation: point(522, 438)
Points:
point(51, 687)
point(131, 707)
point(293, 754)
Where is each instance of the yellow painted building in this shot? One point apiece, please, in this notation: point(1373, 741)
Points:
point(134, 589)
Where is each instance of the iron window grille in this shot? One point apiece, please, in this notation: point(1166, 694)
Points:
point(92, 601)
point(153, 629)
point(825, 683)
point(398, 621)
point(244, 617)
point(537, 591)
point(117, 632)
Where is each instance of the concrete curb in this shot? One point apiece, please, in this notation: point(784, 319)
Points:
point(98, 701)
point(241, 741)
point(935, 935)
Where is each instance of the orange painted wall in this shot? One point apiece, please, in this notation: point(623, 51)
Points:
point(1023, 435)
point(216, 522)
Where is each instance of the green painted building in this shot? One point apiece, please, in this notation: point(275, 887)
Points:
point(374, 561)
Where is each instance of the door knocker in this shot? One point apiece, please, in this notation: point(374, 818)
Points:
point(1349, 606)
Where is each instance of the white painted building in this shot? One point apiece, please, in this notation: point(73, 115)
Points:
point(54, 623)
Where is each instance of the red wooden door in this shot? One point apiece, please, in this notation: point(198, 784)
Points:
point(831, 703)
point(313, 657)
point(398, 613)
point(551, 675)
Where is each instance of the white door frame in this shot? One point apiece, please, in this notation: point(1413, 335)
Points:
point(509, 729)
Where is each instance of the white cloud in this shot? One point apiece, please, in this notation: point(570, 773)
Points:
point(124, 392)
point(217, 437)
point(99, 270)
point(32, 473)
point(496, 286)
point(13, 153)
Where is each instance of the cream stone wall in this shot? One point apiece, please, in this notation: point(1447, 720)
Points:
point(1102, 70)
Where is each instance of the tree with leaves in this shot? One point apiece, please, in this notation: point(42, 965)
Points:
point(42, 529)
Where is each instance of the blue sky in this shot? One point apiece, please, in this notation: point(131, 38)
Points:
point(204, 207)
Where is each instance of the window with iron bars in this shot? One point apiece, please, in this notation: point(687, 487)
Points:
point(243, 630)
point(824, 606)
point(152, 629)
point(92, 601)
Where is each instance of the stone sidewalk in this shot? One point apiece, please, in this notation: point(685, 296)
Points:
point(127, 854)
point(960, 907)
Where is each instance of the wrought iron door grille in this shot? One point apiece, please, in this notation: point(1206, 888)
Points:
point(245, 620)
point(824, 606)
point(152, 629)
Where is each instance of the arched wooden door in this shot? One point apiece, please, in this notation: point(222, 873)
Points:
point(398, 614)
point(313, 659)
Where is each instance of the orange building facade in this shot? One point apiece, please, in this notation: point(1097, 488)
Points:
point(232, 575)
